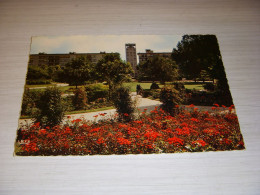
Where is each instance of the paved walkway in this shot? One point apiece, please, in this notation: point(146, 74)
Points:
point(141, 103)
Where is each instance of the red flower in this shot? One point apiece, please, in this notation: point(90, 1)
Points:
point(175, 141)
point(200, 142)
point(123, 141)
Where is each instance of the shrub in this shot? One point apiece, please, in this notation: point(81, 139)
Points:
point(146, 93)
point(38, 82)
point(50, 107)
point(179, 86)
point(28, 102)
point(155, 93)
point(79, 99)
point(209, 86)
point(154, 86)
point(123, 103)
point(96, 91)
point(170, 97)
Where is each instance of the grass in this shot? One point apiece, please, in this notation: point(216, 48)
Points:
point(194, 86)
point(62, 88)
point(91, 110)
point(132, 85)
point(43, 85)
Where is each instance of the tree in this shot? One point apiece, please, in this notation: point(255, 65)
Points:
point(196, 53)
point(77, 71)
point(79, 99)
point(204, 75)
point(37, 73)
point(159, 69)
point(123, 103)
point(50, 107)
point(113, 70)
point(170, 97)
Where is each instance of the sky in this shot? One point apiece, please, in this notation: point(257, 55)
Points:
point(107, 43)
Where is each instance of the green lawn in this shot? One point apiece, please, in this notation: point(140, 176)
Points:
point(194, 86)
point(62, 88)
point(132, 85)
point(43, 85)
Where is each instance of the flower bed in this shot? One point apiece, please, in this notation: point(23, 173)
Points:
point(154, 132)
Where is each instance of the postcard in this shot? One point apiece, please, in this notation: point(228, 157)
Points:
point(126, 94)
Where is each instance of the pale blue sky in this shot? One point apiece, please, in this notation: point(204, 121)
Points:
point(107, 43)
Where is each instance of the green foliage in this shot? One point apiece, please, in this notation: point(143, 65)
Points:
point(195, 53)
point(77, 72)
point(158, 69)
point(37, 75)
point(79, 99)
point(113, 70)
point(50, 107)
point(28, 102)
point(123, 103)
point(154, 85)
point(38, 82)
point(36, 72)
point(170, 97)
point(96, 91)
point(209, 86)
point(204, 75)
point(155, 93)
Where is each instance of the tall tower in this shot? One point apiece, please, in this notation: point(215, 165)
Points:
point(130, 49)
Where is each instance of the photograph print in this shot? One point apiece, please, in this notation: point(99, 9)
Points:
point(126, 94)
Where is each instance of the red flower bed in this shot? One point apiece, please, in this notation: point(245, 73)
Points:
point(155, 132)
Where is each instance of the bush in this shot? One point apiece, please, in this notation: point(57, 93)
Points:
point(155, 93)
point(38, 82)
point(209, 86)
point(170, 97)
point(154, 86)
point(28, 102)
point(79, 99)
point(50, 107)
point(179, 86)
point(123, 103)
point(96, 91)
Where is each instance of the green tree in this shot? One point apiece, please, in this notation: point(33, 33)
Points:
point(159, 69)
point(170, 97)
point(77, 72)
point(79, 99)
point(50, 108)
point(204, 75)
point(37, 73)
point(123, 103)
point(195, 53)
point(113, 70)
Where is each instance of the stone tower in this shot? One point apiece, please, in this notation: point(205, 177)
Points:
point(130, 49)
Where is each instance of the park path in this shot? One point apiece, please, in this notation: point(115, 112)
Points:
point(141, 103)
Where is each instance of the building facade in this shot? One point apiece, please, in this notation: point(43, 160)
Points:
point(131, 57)
point(42, 59)
point(143, 57)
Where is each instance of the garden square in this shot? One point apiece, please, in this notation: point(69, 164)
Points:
point(126, 94)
